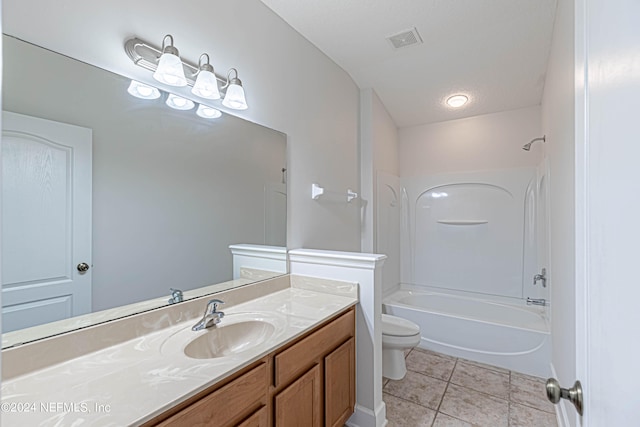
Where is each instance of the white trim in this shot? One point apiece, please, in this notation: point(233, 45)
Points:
point(365, 270)
point(581, 200)
point(260, 251)
point(258, 257)
point(561, 408)
point(337, 258)
point(365, 417)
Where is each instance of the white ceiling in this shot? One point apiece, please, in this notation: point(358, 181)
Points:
point(495, 51)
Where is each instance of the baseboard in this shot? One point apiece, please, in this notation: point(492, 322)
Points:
point(561, 409)
point(365, 417)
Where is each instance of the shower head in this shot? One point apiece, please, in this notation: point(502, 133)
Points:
point(527, 146)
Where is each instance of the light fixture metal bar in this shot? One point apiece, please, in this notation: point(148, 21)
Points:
point(147, 56)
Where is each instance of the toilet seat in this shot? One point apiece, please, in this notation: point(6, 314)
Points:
point(399, 327)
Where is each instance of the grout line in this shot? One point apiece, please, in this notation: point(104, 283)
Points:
point(456, 418)
point(442, 397)
point(428, 376)
point(409, 401)
point(531, 407)
point(491, 368)
point(449, 382)
point(482, 392)
point(452, 371)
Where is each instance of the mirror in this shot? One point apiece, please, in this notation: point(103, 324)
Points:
point(169, 192)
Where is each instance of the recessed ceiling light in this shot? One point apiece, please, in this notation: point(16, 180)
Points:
point(457, 101)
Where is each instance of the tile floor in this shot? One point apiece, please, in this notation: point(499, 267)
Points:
point(443, 391)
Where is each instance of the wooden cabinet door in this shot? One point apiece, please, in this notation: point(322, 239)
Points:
point(300, 404)
point(301, 356)
point(340, 384)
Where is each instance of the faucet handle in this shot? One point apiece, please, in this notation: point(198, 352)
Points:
point(214, 304)
point(176, 296)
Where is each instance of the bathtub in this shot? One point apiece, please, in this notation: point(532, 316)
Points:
point(515, 337)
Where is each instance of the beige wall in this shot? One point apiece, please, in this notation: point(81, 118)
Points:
point(489, 141)
point(291, 86)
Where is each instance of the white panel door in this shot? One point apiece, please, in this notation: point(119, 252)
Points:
point(46, 221)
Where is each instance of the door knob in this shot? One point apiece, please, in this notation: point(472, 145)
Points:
point(573, 394)
point(82, 267)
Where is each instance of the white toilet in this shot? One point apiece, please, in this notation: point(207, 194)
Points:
point(398, 335)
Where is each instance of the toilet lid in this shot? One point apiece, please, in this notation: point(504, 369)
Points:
point(399, 327)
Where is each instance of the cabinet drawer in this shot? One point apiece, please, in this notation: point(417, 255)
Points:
point(301, 356)
point(228, 404)
point(260, 418)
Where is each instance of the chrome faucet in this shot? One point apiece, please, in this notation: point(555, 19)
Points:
point(542, 276)
point(536, 301)
point(211, 316)
point(176, 296)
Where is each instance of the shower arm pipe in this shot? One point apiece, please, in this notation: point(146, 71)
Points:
point(527, 146)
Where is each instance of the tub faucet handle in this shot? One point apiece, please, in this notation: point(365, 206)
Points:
point(541, 277)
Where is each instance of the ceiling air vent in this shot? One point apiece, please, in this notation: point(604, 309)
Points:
point(405, 38)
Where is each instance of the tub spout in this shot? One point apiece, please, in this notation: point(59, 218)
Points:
point(536, 301)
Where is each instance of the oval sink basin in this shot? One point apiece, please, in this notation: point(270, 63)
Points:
point(229, 339)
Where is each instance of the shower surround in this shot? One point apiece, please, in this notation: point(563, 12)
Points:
point(470, 246)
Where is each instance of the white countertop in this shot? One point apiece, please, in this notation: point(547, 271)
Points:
point(131, 382)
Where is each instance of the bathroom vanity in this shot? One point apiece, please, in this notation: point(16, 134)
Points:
point(306, 382)
point(283, 356)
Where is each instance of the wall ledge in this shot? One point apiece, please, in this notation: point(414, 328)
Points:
point(337, 258)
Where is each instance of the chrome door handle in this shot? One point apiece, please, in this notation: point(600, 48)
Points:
point(573, 394)
point(83, 267)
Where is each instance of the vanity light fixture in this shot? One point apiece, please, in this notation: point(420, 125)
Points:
point(143, 91)
point(234, 98)
point(179, 103)
point(208, 112)
point(206, 85)
point(170, 69)
point(457, 101)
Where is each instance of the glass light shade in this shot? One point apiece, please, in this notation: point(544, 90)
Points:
point(170, 70)
point(457, 101)
point(141, 90)
point(208, 112)
point(206, 85)
point(234, 98)
point(179, 103)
